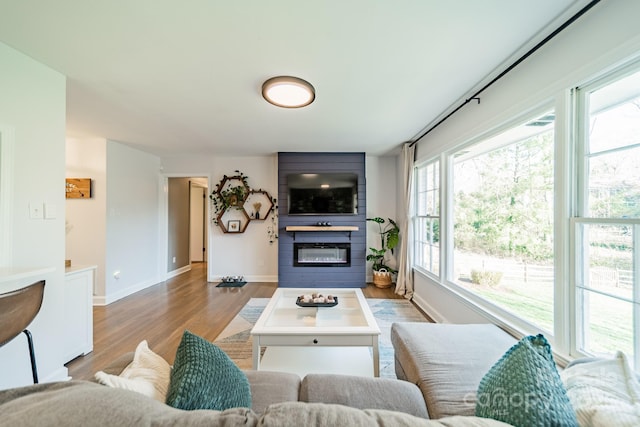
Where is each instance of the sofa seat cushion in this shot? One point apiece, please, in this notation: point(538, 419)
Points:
point(447, 361)
point(364, 393)
point(269, 387)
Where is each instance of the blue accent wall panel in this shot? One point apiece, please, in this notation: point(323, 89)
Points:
point(290, 276)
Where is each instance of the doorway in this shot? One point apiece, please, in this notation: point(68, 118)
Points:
point(197, 222)
point(184, 228)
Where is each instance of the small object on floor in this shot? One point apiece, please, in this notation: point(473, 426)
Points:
point(233, 284)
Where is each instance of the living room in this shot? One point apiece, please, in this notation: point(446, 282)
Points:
point(33, 117)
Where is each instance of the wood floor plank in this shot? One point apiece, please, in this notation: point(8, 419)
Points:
point(161, 313)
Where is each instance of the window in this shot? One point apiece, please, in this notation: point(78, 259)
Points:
point(607, 227)
point(537, 225)
point(503, 220)
point(427, 218)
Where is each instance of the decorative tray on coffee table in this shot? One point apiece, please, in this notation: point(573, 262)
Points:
point(300, 303)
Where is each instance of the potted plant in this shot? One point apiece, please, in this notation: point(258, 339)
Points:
point(230, 193)
point(389, 238)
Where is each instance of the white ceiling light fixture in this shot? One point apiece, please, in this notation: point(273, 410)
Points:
point(288, 92)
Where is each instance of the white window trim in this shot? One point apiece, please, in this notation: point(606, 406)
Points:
point(434, 161)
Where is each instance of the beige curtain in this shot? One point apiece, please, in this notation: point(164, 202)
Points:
point(404, 282)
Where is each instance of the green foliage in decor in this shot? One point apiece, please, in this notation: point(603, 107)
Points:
point(225, 197)
point(389, 238)
point(272, 230)
point(487, 278)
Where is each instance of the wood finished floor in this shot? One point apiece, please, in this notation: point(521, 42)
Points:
point(161, 313)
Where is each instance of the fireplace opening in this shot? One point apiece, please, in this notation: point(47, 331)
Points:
point(322, 254)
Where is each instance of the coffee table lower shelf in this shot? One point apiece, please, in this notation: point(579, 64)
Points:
point(318, 360)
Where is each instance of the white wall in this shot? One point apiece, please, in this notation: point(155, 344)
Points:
point(606, 35)
point(381, 173)
point(33, 105)
point(248, 254)
point(132, 221)
point(86, 218)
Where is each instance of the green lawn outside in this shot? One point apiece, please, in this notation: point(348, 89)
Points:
point(610, 324)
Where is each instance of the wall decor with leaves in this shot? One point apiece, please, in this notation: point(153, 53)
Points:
point(235, 204)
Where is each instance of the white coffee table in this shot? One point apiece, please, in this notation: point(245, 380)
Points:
point(287, 326)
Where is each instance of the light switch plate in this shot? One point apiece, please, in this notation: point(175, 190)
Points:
point(35, 211)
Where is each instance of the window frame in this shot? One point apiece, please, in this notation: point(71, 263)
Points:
point(417, 218)
point(569, 204)
point(582, 120)
point(496, 313)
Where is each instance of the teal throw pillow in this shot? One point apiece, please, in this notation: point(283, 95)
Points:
point(524, 388)
point(203, 377)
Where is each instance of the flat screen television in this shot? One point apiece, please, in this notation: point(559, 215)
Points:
point(323, 193)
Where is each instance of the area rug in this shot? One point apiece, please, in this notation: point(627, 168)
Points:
point(235, 339)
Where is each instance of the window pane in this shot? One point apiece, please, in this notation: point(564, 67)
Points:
point(428, 190)
point(427, 221)
point(605, 288)
point(503, 220)
point(609, 259)
point(613, 150)
point(615, 115)
point(607, 323)
point(614, 184)
point(427, 238)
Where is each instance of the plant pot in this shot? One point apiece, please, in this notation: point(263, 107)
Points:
point(382, 278)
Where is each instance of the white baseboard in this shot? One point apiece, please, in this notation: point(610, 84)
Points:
point(429, 309)
point(108, 299)
point(178, 272)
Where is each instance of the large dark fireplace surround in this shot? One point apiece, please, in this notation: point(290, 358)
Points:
point(322, 249)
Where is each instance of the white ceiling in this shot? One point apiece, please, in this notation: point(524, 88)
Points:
point(184, 77)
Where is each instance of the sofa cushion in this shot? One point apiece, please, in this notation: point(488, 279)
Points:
point(272, 387)
point(524, 388)
point(148, 373)
point(447, 361)
point(203, 377)
point(604, 391)
point(364, 393)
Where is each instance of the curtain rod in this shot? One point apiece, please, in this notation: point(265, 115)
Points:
point(530, 52)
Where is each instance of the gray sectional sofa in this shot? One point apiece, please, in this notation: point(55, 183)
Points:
point(439, 367)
